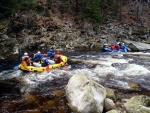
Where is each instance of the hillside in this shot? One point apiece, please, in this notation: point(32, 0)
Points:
point(72, 24)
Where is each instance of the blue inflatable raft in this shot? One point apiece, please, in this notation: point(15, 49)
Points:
point(105, 48)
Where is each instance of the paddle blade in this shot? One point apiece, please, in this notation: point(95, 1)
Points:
point(67, 67)
point(47, 68)
point(16, 67)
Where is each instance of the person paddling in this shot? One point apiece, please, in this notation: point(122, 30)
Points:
point(117, 46)
point(38, 56)
point(25, 60)
point(57, 57)
point(51, 53)
point(45, 62)
point(112, 46)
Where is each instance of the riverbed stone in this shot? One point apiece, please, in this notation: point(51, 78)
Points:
point(114, 111)
point(138, 104)
point(109, 104)
point(110, 94)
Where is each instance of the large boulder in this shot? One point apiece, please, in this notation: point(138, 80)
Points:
point(137, 46)
point(85, 95)
point(138, 104)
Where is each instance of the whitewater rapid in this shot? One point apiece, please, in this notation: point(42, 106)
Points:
point(110, 69)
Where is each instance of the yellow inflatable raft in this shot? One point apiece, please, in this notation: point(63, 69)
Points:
point(42, 69)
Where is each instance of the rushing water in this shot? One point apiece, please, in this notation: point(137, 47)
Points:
point(26, 92)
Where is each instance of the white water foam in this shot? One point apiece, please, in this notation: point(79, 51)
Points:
point(105, 70)
point(10, 74)
point(134, 70)
point(104, 67)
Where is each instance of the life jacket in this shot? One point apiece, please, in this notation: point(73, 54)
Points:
point(112, 46)
point(25, 60)
point(117, 46)
point(57, 58)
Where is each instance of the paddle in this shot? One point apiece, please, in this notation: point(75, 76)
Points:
point(66, 67)
point(47, 68)
point(16, 67)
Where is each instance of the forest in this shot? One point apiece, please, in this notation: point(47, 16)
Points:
point(95, 11)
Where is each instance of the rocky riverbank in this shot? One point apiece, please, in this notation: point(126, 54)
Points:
point(30, 29)
point(67, 35)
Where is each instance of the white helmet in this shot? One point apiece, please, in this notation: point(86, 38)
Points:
point(25, 54)
point(38, 52)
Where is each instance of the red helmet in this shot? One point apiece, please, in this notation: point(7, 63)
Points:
point(58, 52)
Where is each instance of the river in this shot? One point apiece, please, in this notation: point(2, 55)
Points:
point(27, 92)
